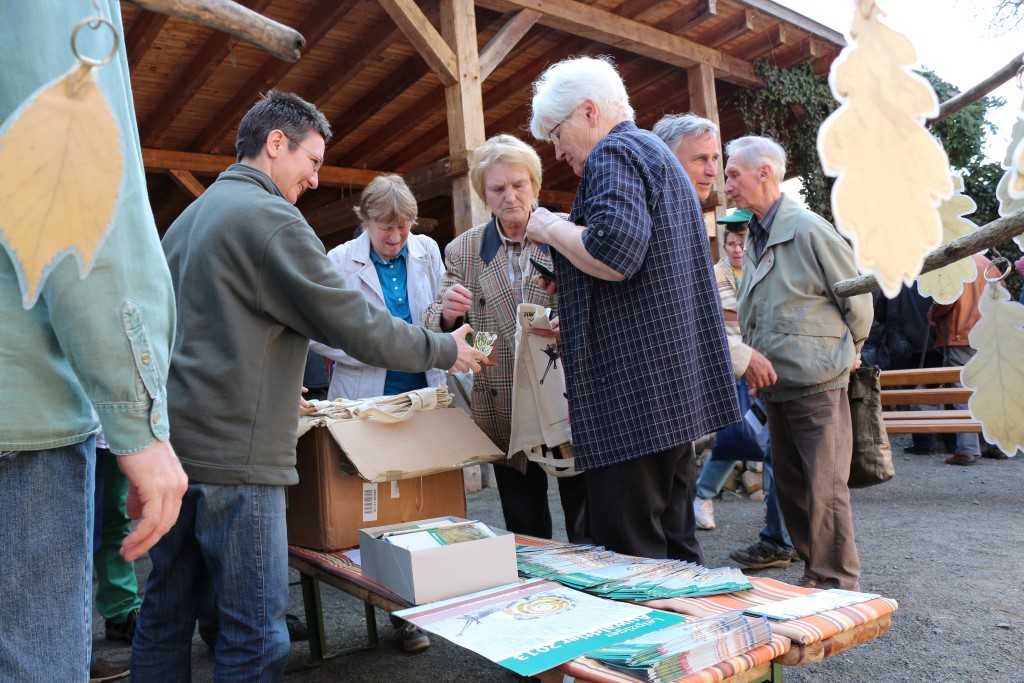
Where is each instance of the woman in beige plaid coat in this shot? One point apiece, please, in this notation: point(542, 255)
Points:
point(487, 277)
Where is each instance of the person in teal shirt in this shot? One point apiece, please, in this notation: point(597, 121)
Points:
point(89, 351)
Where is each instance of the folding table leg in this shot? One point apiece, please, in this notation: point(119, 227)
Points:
point(314, 618)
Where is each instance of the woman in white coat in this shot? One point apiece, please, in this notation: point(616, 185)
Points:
point(396, 270)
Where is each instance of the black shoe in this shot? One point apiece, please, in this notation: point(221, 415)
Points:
point(296, 628)
point(123, 630)
point(108, 670)
point(761, 556)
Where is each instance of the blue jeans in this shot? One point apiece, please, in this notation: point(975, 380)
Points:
point(46, 601)
point(774, 533)
point(229, 543)
point(712, 477)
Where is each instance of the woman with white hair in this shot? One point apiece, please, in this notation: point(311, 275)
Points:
point(646, 360)
point(485, 282)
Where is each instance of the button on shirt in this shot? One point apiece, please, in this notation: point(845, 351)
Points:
point(393, 276)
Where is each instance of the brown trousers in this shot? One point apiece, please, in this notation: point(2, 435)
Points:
point(812, 443)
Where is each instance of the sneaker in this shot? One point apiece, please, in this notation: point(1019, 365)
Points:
point(411, 638)
point(761, 556)
point(108, 670)
point(961, 459)
point(704, 510)
point(123, 630)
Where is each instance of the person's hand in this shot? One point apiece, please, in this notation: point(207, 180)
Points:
point(555, 332)
point(542, 223)
point(760, 372)
point(156, 484)
point(455, 303)
point(305, 408)
point(856, 365)
point(549, 286)
point(469, 358)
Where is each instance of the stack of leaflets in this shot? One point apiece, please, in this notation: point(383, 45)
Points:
point(805, 605)
point(624, 577)
point(677, 651)
point(436, 534)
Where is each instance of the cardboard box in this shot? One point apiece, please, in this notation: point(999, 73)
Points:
point(359, 473)
point(431, 574)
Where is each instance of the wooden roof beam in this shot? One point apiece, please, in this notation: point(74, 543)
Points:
point(425, 38)
point(163, 160)
point(802, 51)
point(505, 39)
point(775, 37)
point(689, 19)
point(739, 25)
point(143, 34)
point(319, 21)
point(616, 31)
point(187, 182)
point(177, 97)
point(397, 82)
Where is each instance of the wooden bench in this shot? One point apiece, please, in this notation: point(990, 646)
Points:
point(926, 390)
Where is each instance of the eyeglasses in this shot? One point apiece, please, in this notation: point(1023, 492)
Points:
point(318, 162)
point(556, 137)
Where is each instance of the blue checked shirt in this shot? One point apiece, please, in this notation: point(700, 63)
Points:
point(646, 359)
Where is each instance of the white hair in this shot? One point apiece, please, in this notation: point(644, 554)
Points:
point(674, 127)
point(754, 151)
point(565, 85)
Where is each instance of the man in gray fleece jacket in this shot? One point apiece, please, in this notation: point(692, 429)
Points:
point(253, 286)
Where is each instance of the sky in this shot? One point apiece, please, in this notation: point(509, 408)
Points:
point(952, 38)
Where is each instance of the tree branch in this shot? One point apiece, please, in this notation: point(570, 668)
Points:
point(224, 15)
point(984, 237)
point(966, 99)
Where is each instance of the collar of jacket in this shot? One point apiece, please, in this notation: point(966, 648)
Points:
point(245, 173)
point(490, 243)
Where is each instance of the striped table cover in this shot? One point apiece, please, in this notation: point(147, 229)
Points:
point(804, 631)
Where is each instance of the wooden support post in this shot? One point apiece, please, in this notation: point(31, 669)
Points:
point(700, 80)
point(465, 107)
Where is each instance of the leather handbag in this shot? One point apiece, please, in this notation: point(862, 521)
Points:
point(872, 453)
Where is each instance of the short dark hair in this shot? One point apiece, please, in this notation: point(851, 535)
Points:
point(284, 111)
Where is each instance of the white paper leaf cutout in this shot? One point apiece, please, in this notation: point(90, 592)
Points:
point(947, 283)
point(891, 173)
point(996, 372)
point(1011, 200)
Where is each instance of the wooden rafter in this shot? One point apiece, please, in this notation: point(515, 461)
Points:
point(144, 32)
point(632, 36)
point(773, 37)
point(690, 18)
point(164, 160)
point(737, 26)
point(316, 25)
point(424, 37)
point(187, 182)
point(505, 39)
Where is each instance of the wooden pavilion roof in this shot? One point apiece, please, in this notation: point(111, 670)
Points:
point(388, 107)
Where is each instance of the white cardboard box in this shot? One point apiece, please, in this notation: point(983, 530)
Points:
point(432, 574)
point(357, 473)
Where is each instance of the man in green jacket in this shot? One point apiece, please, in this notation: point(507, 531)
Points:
point(253, 286)
point(812, 338)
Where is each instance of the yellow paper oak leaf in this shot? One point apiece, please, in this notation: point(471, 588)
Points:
point(888, 210)
point(996, 372)
point(1010, 199)
point(947, 283)
point(60, 174)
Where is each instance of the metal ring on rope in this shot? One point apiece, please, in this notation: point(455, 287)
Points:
point(94, 23)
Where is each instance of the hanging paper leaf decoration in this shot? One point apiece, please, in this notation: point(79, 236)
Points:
point(947, 283)
point(60, 173)
point(891, 173)
point(1010, 191)
point(996, 372)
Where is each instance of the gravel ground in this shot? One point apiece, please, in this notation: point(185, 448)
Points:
point(944, 541)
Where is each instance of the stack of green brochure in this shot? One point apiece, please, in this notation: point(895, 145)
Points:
point(677, 651)
point(624, 577)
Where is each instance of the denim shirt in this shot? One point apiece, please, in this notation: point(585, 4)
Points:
point(96, 349)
